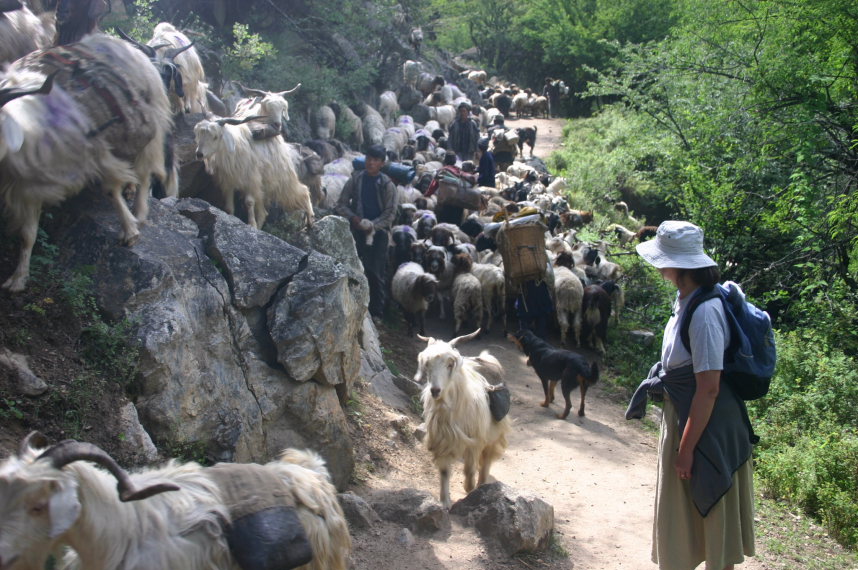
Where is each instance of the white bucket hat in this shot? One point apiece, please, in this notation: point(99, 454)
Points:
point(676, 244)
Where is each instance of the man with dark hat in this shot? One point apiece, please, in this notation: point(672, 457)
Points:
point(369, 201)
point(464, 133)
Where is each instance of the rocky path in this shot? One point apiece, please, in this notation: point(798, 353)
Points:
point(598, 472)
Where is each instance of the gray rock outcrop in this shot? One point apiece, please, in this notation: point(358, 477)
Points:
point(248, 344)
point(514, 522)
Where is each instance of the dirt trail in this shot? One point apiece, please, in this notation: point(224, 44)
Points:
point(598, 472)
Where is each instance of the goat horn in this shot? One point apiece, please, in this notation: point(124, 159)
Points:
point(11, 93)
point(464, 338)
point(234, 121)
point(289, 91)
point(34, 440)
point(252, 92)
point(148, 50)
point(171, 53)
point(426, 338)
point(69, 451)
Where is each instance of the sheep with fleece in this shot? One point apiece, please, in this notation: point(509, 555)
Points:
point(174, 46)
point(493, 285)
point(324, 122)
point(388, 106)
point(332, 188)
point(59, 133)
point(467, 293)
point(373, 125)
point(350, 125)
point(21, 32)
point(176, 516)
point(411, 72)
point(459, 422)
point(568, 295)
point(444, 114)
point(262, 169)
point(309, 168)
point(413, 288)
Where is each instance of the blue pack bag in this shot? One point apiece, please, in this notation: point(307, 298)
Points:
point(749, 361)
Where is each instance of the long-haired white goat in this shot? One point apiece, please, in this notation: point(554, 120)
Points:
point(175, 516)
point(268, 106)
point(172, 45)
point(90, 111)
point(261, 169)
point(459, 423)
point(21, 32)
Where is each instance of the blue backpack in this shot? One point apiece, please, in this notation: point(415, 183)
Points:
point(749, 361)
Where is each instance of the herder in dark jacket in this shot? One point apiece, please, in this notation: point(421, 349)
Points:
point(486, 169)
point(464, 133)
point(369, 201)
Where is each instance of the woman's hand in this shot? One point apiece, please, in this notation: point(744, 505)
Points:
point(683, 464)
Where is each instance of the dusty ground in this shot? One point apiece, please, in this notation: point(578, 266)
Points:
point(598, 472)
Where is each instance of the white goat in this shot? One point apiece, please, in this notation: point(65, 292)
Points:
point(568, 294)
point(261, 169)
point(493, 286)
point(55, 140)
point(170, 517)
point(325, 122)
point(467, 293)
point(411, 72)
point(413, 288)
point(349, 124)
point(332, 187)
point(459, 424)
point(388, 106)
point(175, 46)
point(373, 125)
point(270, 106)
point(21, 32)
point(444, 114)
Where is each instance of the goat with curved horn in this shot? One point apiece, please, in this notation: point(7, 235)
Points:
point(11, 93)
point(69, 451)
point(34, 440)
point(173, 52)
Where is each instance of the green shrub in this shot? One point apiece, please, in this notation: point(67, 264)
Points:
point(808, 426)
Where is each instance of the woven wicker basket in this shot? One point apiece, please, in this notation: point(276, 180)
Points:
point(522, 247)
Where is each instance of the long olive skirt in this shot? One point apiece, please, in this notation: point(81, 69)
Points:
point(681, 538)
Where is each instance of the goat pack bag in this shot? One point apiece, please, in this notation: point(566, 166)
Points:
point(749, 361)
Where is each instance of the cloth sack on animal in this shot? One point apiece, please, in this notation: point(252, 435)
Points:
point(455, 191)
point(91, 78)
point(749, 361)
point(265, 532)
point(499, 401)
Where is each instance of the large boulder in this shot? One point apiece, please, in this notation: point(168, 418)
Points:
point(515, 522)
point(247, 344)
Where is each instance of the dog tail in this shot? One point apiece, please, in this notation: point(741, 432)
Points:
point(594, 374)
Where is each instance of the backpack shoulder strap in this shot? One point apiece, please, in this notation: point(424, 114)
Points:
point(695, 301)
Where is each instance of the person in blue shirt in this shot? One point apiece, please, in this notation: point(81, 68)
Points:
point(368, 202)
point(486, 168)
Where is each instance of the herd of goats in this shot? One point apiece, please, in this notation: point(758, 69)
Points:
point(78, 106)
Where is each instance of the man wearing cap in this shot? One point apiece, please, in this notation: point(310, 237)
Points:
point(464, 133)
point(369, 202)
point(704, 504)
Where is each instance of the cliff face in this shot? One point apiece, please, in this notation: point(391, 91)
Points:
point(248, 344)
